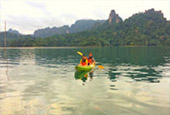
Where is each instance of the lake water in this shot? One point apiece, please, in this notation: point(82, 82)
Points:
point(40, 81)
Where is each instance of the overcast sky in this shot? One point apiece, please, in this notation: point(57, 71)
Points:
point(29, 15)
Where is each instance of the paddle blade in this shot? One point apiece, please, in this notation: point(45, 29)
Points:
point(80, 53)
point(100, 66)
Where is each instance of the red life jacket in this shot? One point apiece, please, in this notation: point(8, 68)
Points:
point(84, 62)
point(90, 60)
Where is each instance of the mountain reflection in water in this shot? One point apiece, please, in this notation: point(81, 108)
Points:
point(135, 80)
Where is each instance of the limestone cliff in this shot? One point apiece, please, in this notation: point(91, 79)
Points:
point(114, 18)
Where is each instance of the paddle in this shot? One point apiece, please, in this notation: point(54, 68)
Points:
point(100, 66)
point(80, 53)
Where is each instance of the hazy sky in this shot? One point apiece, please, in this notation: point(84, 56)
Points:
point(29, 15)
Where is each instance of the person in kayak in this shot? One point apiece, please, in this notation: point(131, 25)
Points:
point(84, 61)
point(90, 59)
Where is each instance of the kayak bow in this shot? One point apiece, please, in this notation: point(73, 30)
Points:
point(85, 68)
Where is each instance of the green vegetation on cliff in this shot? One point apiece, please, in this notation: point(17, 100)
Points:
point(147, 28)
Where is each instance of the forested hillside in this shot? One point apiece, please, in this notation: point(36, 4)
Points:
point(78, 26)
point(148, 28)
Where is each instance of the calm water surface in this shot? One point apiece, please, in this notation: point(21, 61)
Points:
point(40, 81)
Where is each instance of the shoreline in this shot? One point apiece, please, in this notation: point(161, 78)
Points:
point(60, 47)
point(33, 47)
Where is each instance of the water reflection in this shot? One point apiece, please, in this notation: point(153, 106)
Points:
point(141, 56)
point(43, 82)
point(56, 56)
point(140, 74)
point(145, 57)
point(83, 75)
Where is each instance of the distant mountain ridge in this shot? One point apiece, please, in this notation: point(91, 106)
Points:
point(46, 32)
point(148, 28)
point(13, 31)
point(78, 26)
point(82, 25)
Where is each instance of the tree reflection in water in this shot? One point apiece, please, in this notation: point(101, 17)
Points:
point(83, 75)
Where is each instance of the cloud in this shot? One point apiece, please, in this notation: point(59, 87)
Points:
point(29, 24)
point(36, 4)
point(39, 6)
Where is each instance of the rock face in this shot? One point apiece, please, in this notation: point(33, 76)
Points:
point(114, 18)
